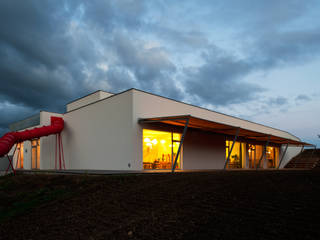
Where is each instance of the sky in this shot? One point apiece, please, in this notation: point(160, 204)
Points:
point(254, 59)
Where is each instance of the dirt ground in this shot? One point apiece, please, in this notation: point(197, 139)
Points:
point(210, 205)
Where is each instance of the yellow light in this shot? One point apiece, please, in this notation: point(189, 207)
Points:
point(163, 141)
point(170, 145)
point(146, 140)
point(149, 144)
point(249, 150)
point(154, 141)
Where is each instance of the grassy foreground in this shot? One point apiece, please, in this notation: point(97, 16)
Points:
point(212, 205)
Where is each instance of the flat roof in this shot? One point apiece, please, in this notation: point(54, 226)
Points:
point(207, 125)
point(77, 99)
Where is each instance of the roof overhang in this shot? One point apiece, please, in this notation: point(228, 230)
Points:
point(221, 128)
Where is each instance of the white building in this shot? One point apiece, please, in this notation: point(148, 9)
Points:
point(137, 130)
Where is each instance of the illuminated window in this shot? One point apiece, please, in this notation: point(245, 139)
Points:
point(237, 156)
point(35, 153)
point(255, 153)
point(19, 156)
point(160, 149)
point(272, 156)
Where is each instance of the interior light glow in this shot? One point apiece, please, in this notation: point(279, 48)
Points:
point(154, 141)
point(149, 144)
point(147, 140)
point(163, 141)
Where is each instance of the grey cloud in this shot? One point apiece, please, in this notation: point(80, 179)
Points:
point(219, 79)
point(277, 101)
point(302, 98)
point(292, 47)
point(121, 78)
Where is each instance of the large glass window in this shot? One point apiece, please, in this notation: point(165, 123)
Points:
point(35, 153)
point(237, 156)
point(160, 149)
point(255, 153)
point(19, 156)
point(272, 156)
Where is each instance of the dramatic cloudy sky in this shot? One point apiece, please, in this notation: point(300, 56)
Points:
point(255, 59)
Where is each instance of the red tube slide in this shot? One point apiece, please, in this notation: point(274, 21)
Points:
point(11, 138)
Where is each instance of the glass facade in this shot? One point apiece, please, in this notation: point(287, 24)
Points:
point(272, 156)
point(237, 156)
point(245, 155)
point(160, 149)
point(35, 154)
point(255, 153)
point(19, 155)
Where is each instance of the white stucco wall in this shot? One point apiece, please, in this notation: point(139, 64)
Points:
point(165, 107)
point(99, 136)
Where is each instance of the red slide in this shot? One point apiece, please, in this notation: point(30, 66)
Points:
point(11, 138)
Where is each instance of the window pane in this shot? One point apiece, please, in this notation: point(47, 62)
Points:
point(235, 160)
point(158, 148)
point(38, 153)
point(259, 152)
point(33, 157)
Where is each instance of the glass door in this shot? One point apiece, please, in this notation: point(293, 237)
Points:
point(272, 156)
point(236, 156)
point(35, 154)
point(252, 155)
point(255, 154)
point(19, 162)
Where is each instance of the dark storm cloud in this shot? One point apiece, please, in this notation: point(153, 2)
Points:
point(34, 53)
point(218, 80)
point(52, 51)
point(115, 13)
point(10, 113)
point(180, 38)
point(151, 67)
point(42, 62)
